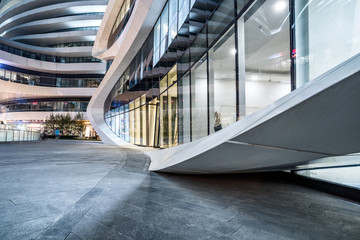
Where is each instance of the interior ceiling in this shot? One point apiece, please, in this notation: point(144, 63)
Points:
point(267, 38)
point(267, 47)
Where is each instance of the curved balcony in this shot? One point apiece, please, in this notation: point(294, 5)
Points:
point(53, 11)
point(48, 80)
point(54, 67)
point(45, 57)
point(10, 91)
point(53, 24)
point(45, 105)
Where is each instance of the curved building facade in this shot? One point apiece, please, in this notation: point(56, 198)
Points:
point(46, 62)
point(209, 82)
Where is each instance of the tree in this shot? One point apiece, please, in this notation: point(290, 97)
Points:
point(51, 123)
point(79, 127)
point(63, 122)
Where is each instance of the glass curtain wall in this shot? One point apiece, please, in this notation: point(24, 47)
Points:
point(327, 33)
point(137, 122)
point(61, 106)
point(184, 108)
point(164, 116)
point(173, 109)
point(230, 71)
point(152, 108)
point(51, 81)
point(263, 55)
point(222, 82)
point(213, 90)
point(143, 134)
point(132, 123)
point(199, 103)
point(183, 11)
point(237, 59)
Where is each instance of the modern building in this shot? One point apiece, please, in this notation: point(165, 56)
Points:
point(224, 86)
point(233, 85)
point(46, 65)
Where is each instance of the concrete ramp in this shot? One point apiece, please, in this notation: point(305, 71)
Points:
point(318, 120)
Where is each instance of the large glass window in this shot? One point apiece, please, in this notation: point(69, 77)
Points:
point(173, 116)
point(164, 29)
point(152, 106)
point(241, 4)
point(222, 82)
point(127, 122)
point(173, 14)
point(326, 34)
point(199, 46)
point(117, 126)
point(137, 122)
point(184, 109)
point(132, 123)
point(164, 119)
point(183, 11)
point(157, 41)
point(122, 126)
point(143, 120)
point(221, 18)
point(264, 55)
point(199, 99)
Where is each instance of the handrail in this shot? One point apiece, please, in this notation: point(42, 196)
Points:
point(9, 134)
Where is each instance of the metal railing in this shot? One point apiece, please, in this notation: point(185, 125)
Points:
point(10, 134)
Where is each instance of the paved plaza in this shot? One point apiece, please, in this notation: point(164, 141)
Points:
point(86, 190)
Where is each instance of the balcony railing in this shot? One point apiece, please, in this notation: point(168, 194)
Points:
point(10, 134)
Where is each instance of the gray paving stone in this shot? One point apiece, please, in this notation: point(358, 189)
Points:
point(85, 190)
point(72, 236)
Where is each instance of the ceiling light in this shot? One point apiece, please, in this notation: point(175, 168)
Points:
point(280, 6)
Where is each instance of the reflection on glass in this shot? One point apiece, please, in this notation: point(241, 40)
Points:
point(198, 47)
point(241, 4)
point(327, 33)
point(152, 120)
point(173, 117)
point(199, 99)
point(183, 11)
point(143, 126)
point(172, 76)
point(264, 56)
point(126, 130)
point(163, 84)
point(132, 123)
point(117, 127)
point(221, 18)
point(172, 20)
point(122, 126)
point(156, 55)
point(222, 82)
point(157, 126)
point(164, 120)
point(137, 126)
point(184, 109)
point(164, 29)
